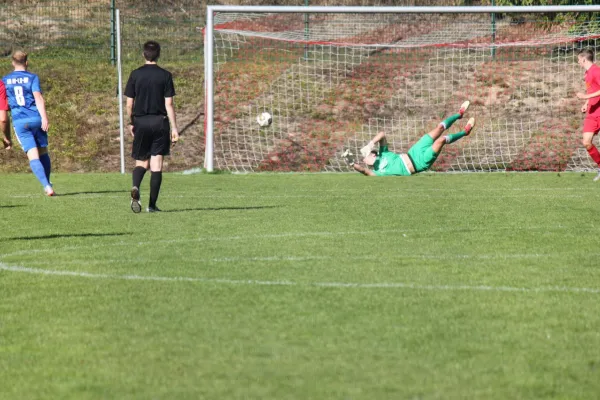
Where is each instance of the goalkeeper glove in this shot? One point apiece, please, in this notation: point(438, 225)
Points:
point(348, 157)
point(367, 149)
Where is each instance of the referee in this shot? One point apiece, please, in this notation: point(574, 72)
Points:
point(149, 93)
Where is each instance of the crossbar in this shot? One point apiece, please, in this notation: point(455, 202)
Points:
point(404, 10)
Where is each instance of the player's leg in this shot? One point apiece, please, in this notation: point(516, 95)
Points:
point(447, 123)
point(453, 137)
point(25, 136)
point(141, 153)
point(38, 170)
point(161, 147)
point(156, 164)
point(590, 128)
point(427, 150)
point(137, 175)
point(45, 160)
point(41, 139)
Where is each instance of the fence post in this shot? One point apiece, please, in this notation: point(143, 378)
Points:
point(120, 89)
point(113, 58)
point(306, 35)
point(493, 31)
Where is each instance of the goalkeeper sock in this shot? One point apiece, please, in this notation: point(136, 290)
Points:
point(454, 136)
point(155, 182)
point(137, 176)
point(45, 160)
point(447, 123)
point(38, 170)
point(593, 152)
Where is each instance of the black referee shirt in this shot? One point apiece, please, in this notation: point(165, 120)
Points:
point(149, 85)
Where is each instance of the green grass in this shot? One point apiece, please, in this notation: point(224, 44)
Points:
point(332, 286)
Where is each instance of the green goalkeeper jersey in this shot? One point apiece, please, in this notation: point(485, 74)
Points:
point(389, 163)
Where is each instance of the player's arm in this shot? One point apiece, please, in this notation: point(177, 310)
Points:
point(4, 122)
point(172, 121)
point(5, 127)
point(363, 170)
point(379, 138)
point(129, 108)
point(41, 106)
point(584, 107)
point(585, 96)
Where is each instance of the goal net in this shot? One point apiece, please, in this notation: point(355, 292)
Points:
point(332, 80)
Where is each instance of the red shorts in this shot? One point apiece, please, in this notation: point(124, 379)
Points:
point(591, 124)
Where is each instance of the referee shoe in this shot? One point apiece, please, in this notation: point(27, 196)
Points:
point(136, 206)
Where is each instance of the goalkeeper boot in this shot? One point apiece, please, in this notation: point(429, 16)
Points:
point(464, 107)
point(136, 206)
point(597, 177)
point(469, 126)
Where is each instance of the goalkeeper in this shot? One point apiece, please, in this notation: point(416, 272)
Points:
point(420, 156)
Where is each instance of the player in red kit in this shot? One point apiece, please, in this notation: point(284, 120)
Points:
point(4, 124)
point(591, 125)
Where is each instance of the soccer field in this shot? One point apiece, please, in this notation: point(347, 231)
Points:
point(324, 286)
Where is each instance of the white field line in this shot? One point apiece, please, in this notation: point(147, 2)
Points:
point(379, 285)
point(391, 258)
point(404, 233)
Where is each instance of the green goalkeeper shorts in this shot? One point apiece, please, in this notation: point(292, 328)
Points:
point(422, 154)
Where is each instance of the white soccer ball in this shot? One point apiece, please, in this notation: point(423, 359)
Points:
point(264, 119)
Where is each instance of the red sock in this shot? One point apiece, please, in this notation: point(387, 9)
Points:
point(593, 152)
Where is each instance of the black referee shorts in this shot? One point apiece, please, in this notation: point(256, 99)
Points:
point(151, 137)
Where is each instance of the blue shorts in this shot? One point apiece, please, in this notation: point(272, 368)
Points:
point(30, 134)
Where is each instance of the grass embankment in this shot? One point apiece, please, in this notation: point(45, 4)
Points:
point(83, 109)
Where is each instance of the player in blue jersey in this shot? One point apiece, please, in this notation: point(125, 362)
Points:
point(30, 121)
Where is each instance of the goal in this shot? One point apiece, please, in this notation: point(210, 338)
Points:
point(332, 77)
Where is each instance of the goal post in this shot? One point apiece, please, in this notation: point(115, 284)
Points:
point(332, 77)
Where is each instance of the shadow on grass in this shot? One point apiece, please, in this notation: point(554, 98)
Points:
point(66, 235)
point(91, 192)
point(12, 206)
point(219, 209)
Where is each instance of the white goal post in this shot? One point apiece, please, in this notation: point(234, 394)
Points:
point(332, 77)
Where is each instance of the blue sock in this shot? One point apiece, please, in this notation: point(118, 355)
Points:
point(45, 160)
point(38, 171)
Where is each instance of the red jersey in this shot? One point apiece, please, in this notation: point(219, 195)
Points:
point(592, 84)
point(3, 100)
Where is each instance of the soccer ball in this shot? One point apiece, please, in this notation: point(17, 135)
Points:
point(264, 119)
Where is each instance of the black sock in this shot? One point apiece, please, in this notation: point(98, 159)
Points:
point(155, 182)
point(138, 175)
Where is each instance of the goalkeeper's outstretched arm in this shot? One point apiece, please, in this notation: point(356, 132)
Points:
point(363, 170)
point(379, 138)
